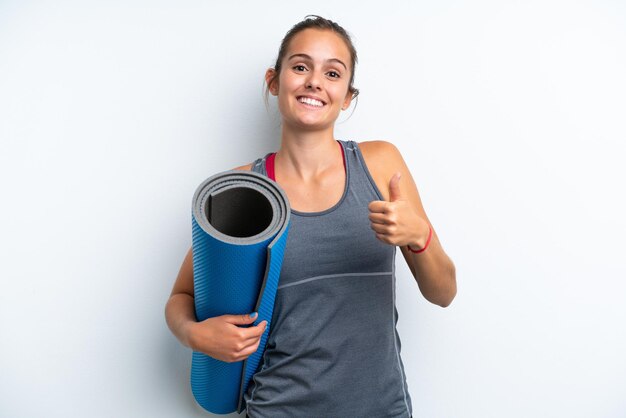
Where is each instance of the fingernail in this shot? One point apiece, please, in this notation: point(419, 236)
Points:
point(253, 315)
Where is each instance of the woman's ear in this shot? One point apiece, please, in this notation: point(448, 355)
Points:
point(270, 75)
point(347, 100)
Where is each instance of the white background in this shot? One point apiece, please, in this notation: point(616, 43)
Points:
point(510, 114)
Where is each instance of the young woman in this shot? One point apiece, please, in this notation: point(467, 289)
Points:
point(333, 349)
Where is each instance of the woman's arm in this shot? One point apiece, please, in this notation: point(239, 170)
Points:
point(179, 311)
point(219, 337)
point(401, 220)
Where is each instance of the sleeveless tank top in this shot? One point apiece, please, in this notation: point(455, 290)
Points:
point(333, 349)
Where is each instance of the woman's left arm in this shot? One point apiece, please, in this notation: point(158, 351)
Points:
point(401, 220)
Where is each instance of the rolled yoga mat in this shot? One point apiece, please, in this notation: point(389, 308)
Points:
point(240, 223)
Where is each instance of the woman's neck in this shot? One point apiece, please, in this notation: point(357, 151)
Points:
point(306, 154)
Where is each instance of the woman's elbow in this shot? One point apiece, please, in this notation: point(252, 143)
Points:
point(445, 297)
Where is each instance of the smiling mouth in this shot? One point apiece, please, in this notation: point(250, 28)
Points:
point(311, 102)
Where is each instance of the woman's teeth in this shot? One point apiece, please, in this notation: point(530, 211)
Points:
point(311, 102)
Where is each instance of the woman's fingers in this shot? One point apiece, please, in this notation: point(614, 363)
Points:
point(385, 238)
point(250, 341)
point(247, 350)
point(396, 222)
point(254, 332)
point(380, 228)
point(378, 206)
point(378, 218)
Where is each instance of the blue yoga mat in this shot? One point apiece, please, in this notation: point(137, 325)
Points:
point(240, 223)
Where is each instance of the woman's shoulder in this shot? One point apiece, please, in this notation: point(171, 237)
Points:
point(380, 155)
point(378, 149)
point(246, 167)
point(382, 159)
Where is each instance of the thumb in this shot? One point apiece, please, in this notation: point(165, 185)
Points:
point(242, 319)
point(394, 187)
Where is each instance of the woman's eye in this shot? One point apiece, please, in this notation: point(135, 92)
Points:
point(299, 67)
point(333, 74)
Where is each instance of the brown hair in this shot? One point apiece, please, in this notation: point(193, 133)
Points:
point(315, 22)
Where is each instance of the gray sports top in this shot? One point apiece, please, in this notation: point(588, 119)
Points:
point(333, 348)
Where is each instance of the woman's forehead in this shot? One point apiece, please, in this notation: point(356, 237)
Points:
point(319, 44)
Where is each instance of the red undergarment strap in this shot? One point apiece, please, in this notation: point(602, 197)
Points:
point(343, 157)
point(269, 163)
point(269, 166)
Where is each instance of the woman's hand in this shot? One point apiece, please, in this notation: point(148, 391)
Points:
point(396, 222)
point(221, 338)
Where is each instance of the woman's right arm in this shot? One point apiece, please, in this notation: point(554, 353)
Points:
point(179, 310)
point(219, 337)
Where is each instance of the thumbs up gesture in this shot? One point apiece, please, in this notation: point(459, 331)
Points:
point(396, 222)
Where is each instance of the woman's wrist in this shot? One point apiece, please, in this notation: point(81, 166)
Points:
point(426, 244)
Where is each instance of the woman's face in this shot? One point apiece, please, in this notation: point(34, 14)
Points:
point(313, 83)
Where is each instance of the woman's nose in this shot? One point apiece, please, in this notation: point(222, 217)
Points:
point(313, 81)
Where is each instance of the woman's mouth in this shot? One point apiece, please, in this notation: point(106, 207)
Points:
point(310, 101)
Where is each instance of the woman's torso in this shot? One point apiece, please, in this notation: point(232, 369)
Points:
point(333, 348)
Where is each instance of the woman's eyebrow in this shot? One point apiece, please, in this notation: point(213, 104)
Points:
point(308, 57)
